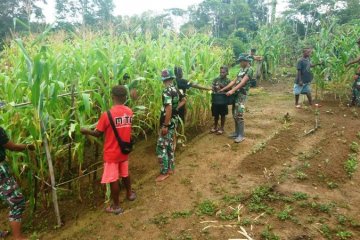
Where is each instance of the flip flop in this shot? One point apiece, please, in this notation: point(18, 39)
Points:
point(213, 130)
point(220, 132)
point(113, 210)
point(132, 196)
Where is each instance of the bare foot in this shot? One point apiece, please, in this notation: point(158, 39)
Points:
point(162, 177)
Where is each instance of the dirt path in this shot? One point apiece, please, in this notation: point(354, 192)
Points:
point(305, 194)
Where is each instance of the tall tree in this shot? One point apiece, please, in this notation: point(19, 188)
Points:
point(24, 10)
point(86, 12)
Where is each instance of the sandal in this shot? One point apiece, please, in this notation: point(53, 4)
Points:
point(220, 132)
point(4, 234)
point(214, 130)
point(298, 106)
point(132, 196)
point(113, 210)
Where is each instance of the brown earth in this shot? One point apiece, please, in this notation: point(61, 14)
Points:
point(277, 154)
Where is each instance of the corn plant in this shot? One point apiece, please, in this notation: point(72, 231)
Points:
point(56, 82)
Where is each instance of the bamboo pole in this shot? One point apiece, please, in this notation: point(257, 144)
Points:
point(51, 172)
point(72, 120)
point(61, 95)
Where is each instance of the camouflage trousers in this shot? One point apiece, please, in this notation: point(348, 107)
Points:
point(11, 193)
point(356, 97)
point(238, 109)
point(165, 151)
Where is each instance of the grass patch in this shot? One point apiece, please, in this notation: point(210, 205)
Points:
point(182, 214)
point(332, 185)
point(343, 235)
point(354, 147)
point(207, 207)
point(258, 198)
point(301, 175)
point(300, 196)
point(351, 165)
point(233, 199)
point(285, 214)
point(160, 220)
point(267, 234)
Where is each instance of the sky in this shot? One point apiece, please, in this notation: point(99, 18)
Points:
point(131, 7)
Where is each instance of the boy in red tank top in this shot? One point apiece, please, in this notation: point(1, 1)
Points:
point(116, 163)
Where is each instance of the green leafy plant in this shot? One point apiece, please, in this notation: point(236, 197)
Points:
point(207, 207)
point(354, 147)
point(351, 165)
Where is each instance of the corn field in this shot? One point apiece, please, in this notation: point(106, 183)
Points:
point(54, 83)
point(334, 45)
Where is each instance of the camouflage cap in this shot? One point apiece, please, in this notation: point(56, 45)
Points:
point(243, 58)
point(167, 74)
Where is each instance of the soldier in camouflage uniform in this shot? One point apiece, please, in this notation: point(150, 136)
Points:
point(168, 121)
point(356, 86)
point(356, 90)
point(241, 89)
point(10, 192)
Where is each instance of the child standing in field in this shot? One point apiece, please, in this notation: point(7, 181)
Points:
point(116, 164)
point(10, 192)
point(241, 91)
point(220, 110)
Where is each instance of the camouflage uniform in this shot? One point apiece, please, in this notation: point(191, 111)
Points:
point(165, 143)
point(9, 189)
point(241, 94)
point(356, 92)
point(240, 101)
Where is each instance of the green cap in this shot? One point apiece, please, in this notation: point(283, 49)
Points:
point(167, 74)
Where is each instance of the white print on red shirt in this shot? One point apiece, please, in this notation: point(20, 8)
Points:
point(124, 121)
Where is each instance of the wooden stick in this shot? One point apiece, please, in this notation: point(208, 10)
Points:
point(61, 95)
point(51, 171)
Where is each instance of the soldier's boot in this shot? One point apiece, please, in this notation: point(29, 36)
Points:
point(236, 133)
point(241, 136)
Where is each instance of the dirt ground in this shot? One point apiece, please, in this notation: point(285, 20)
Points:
point(281, 183)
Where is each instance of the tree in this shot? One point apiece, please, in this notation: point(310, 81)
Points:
point(86, 12)
point(24, 10)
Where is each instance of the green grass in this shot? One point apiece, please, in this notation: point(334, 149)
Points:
point(207, 207)
point(160, 220)
point(354, 147)
point(285, 214)
point(351, 165)
point(300, 196)
point(343, 235)
point(182, 214)
point(301, 175)
point(267, 234)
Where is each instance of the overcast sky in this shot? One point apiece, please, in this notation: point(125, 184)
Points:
point(131, 7)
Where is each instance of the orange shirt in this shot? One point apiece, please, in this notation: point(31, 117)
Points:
point(122, 117)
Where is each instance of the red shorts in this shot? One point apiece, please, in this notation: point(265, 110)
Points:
point(114, 171)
